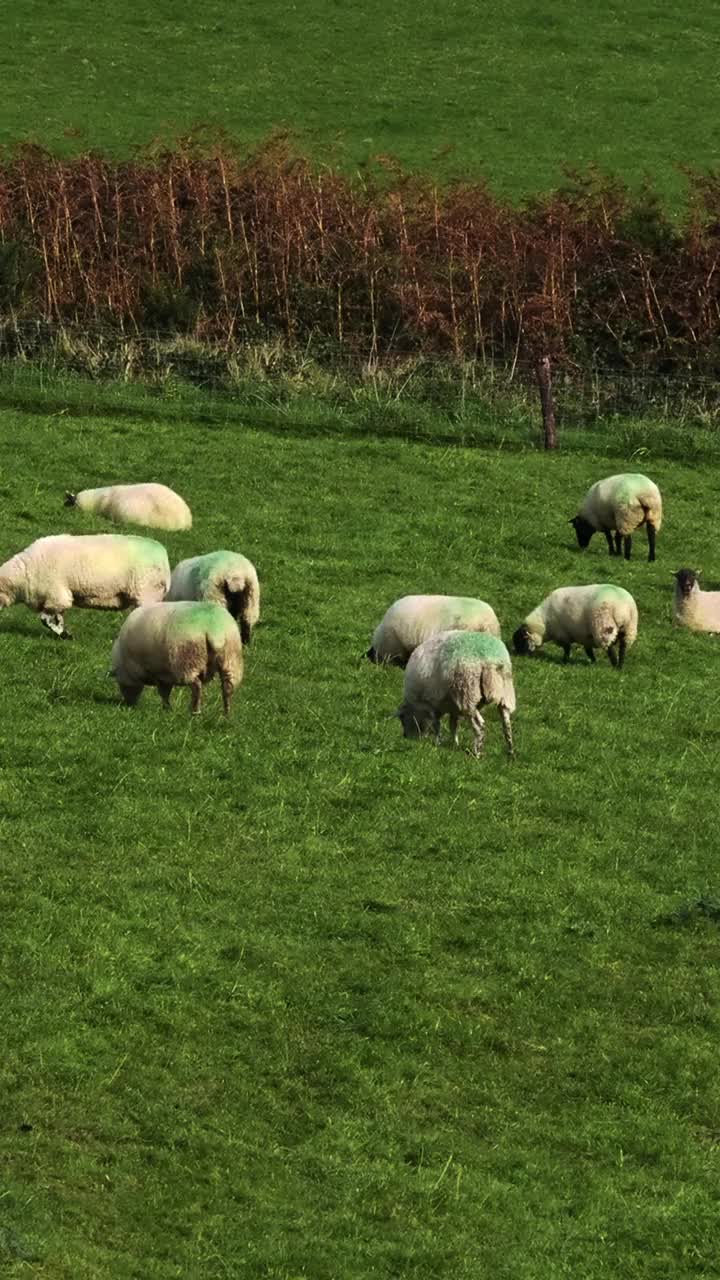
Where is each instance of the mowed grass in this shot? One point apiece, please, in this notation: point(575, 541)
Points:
point(514, 93)
point(288, 996)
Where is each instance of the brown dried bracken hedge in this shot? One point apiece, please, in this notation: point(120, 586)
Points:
point(223, 248)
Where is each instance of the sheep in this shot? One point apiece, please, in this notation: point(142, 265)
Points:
point(457, 673)
point(184, 643)
point(225, 577)
point(599, 616)
point(88, 571)
point(698, 610)
point(148, 504)
point(620, 504)
point(413, 619)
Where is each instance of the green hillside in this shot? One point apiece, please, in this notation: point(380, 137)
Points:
point(513, 92)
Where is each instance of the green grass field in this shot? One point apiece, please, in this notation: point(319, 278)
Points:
point(288, 997)
point(510, 92)
point(291, 997)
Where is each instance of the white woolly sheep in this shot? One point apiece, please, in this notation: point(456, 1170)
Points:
point(599, 616)
point(457, 673)
point(148, 504)
point(88, 571)
point(698, 610)
point(619, 505)
point(177, 644)
point(413, 619)
point(225, 577)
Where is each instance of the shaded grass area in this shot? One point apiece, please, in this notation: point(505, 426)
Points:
point(288, 996)
point(515, 95)
point(439, 403)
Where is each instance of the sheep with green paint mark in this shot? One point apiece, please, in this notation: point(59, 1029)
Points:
point(225, 577)
point(153, 505)
point(599, 616)
point(185, 643)
point(85, 571)
point(413, 619)
point(457, 673)
point(617, 506)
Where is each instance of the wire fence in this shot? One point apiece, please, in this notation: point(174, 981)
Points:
point(165, 360)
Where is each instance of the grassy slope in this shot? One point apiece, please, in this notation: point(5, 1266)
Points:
point(510, 93)
point(291, 997)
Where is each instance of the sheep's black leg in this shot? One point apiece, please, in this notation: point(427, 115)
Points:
point(627, 546)
point(618, 544)
point(165, 690)
point(227, 687)
point(454, 719)
point(612, 655)
point(566, 652)
point(130, 694)
point(590, 652)
point(622, 645)
point(651, 541)
point(195, 697)
point(608, 535)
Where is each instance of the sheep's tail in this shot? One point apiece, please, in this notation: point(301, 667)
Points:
point(243, 603)
point(496, 685)
point(652, 507)
point(226, 658)
point(629, 626)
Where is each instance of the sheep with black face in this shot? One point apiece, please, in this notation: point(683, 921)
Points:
point(617, 506)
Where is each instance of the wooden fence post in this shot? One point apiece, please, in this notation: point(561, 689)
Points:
point(542, 370)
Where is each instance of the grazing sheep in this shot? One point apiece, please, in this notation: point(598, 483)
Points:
point(413, 619)
point(600, 616)
point(86, 571)
point(698, 610)
point(169, 644)
point(149, 504)
point(619, 505)
point(457, 673)
point(225, 577)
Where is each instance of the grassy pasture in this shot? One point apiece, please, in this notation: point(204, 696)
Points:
point(288, 996)
point(512, 92)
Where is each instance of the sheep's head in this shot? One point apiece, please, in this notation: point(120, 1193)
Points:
point(686, 581)
point(583, 530)
point(416, 719)
point(70, 500)
point(523, 642)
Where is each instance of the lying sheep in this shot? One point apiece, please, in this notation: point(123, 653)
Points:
point(88, 571)
point(225, 577)
point(698, 610)
point(149, 504)
point(619, 505)
point(413, 619)
point(457, 673)
point(177, 644)
point(600, 616)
